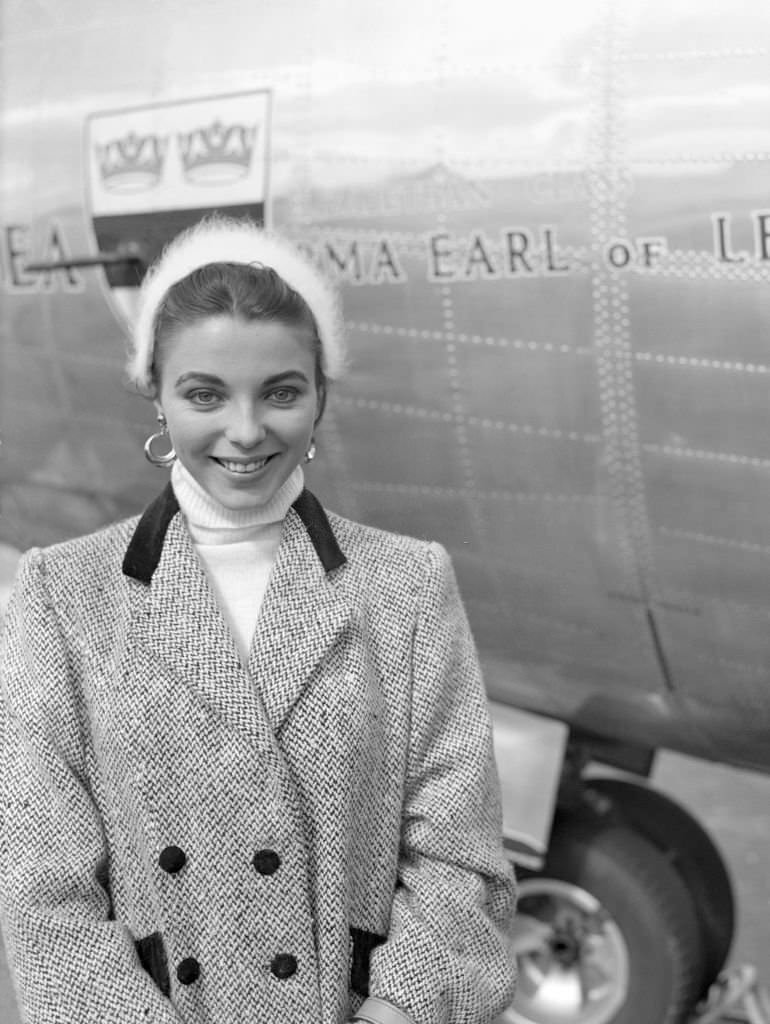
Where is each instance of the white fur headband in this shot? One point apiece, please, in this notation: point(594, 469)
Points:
point(225, 240)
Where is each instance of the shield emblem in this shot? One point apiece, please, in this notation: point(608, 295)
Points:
point(154, 170)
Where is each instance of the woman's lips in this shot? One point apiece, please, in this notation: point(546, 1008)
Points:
point(243, 466)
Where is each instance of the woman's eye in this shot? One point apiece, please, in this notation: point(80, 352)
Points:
point(203, 397)
point(284, 395)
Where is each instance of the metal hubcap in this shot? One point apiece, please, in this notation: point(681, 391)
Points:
point(573, 960)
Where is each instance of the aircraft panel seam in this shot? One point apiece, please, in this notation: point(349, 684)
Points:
point(753, 669)
point(513, 497)
point(417, 412)
point(703, 266)
point(716, 53)
point(696, 453)
point(609, 180)
point(728, 159)
point(702, 364)
point(711, 539)
point(472, 339)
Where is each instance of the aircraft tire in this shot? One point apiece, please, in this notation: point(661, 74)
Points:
point(692, 852)
point(606, 933)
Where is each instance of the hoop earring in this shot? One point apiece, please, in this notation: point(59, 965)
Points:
point(159, 460)
point(310, 453)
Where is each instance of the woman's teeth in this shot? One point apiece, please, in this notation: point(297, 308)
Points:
point(244, 467)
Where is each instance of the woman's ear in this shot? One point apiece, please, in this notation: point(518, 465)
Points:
point(320, 403)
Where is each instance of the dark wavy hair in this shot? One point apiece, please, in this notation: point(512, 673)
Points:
point(247, 291)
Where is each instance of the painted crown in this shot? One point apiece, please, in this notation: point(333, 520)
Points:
point(217, 153)
point(133, 163)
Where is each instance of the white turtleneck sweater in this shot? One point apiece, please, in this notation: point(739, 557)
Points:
point(237, 549)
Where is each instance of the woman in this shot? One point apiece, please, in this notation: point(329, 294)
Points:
point(247, 770)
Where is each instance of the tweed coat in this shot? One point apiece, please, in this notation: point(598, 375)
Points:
point(186, 840)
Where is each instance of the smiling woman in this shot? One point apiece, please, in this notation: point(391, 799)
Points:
point(247, 769)
point(241, 403)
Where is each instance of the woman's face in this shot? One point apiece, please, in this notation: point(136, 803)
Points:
point(241, 402)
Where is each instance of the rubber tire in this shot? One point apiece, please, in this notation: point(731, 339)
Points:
point(692, 852)
point(648, 902)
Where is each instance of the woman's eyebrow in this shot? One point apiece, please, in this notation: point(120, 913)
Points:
point(204, 378)
point(285, 375)
point(212, 379)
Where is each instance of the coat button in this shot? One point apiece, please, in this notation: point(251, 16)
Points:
point(172, 859)
point(266, 861)
point(283, 965)
point(188, 970)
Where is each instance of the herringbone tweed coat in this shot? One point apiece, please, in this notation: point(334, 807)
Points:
point(186, 840)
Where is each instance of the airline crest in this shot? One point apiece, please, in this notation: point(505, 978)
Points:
point(154, 170)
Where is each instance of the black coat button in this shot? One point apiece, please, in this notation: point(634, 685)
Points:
point(172, 859)
point(266, 861)
point(283, 965)
point(188, 970)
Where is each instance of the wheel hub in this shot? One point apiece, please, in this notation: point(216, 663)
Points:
point(573, 961)
point(565, 948)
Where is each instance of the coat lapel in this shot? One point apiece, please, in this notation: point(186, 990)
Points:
point(303, 612)
point(179, 621)
point(182, 627)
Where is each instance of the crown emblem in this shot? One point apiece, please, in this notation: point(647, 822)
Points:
point(218, 153)
point(133, 163)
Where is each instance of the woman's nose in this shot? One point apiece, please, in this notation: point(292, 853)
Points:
point(245, 428)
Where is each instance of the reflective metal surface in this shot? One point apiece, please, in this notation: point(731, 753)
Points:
point(573, 959)
point(552, 232)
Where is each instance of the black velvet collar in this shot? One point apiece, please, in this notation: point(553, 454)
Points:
point(311, 512)
point(143, 552)
point(144, 549)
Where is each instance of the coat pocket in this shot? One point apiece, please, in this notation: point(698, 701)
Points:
point(362, 943)
point(152, 956)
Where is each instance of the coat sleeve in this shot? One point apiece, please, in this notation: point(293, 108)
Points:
point(448, 957)
point(71, 962)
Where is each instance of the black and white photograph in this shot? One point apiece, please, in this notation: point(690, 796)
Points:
point(384, 512)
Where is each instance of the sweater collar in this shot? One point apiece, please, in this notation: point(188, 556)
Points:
point(207, 518)
point(146, 544)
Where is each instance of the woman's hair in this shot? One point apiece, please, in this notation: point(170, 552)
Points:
point(243, 290)
point(223, 266)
